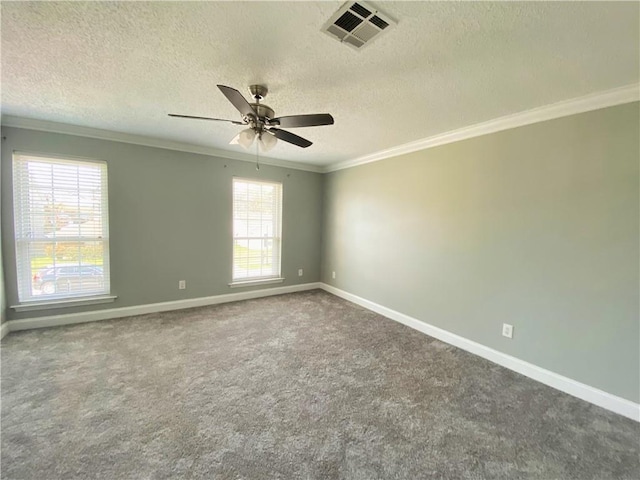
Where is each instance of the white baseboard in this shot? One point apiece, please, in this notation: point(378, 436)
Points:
point(564, 384)
point(4, 329)
point(97, 315)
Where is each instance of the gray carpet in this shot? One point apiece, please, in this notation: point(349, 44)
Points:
point(295, 386)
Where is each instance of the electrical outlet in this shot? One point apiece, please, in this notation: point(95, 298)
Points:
point(182, 284)
point(507, 330)
point(300, 272)
point(333, 275)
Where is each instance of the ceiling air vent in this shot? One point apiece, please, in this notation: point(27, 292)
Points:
point(357, 24)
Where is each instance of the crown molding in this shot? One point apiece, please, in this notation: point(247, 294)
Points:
point(89, 132)
point(608, 98)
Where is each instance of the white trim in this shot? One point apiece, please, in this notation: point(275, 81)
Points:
point(250, 283)
point(609, 98)
point(67, 302)
point(77, 130)
point(97, 315)
point(53, 156)
point(564, 384)
point(4, 329)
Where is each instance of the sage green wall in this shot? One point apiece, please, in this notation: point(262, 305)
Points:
point(3, 301)
point(535, 226)
point(170, 219)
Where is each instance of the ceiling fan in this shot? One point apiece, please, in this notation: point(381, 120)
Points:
point(262, 122)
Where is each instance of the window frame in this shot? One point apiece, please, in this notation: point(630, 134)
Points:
point(24, 276)
point(276, 238)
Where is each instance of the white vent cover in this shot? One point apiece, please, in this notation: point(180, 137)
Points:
point(357, 24)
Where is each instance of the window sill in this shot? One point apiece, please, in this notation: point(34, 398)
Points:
point(63, 303)
point(251, 283)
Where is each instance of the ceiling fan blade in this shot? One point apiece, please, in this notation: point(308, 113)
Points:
point(313, 120)
point(290, 137)
point(238, 101)
point(205, 118)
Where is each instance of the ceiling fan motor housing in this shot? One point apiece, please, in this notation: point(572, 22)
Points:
point(264, 114)
point(263, 111)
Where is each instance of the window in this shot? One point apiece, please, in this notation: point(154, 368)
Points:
point(257, 219)
point(61, 227)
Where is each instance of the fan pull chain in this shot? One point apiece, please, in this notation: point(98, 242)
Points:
point(257, 156)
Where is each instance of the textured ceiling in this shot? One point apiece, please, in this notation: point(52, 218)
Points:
point(123, 66)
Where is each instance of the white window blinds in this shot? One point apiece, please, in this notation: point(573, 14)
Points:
point(61, 227)
point(257, 224)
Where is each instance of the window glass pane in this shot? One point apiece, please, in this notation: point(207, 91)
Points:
point(240, 228)
point(267, 228)
point(255, 229)
point(66, 267)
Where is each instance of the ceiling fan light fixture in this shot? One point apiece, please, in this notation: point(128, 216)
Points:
point(246, 137)
point(267, 142)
